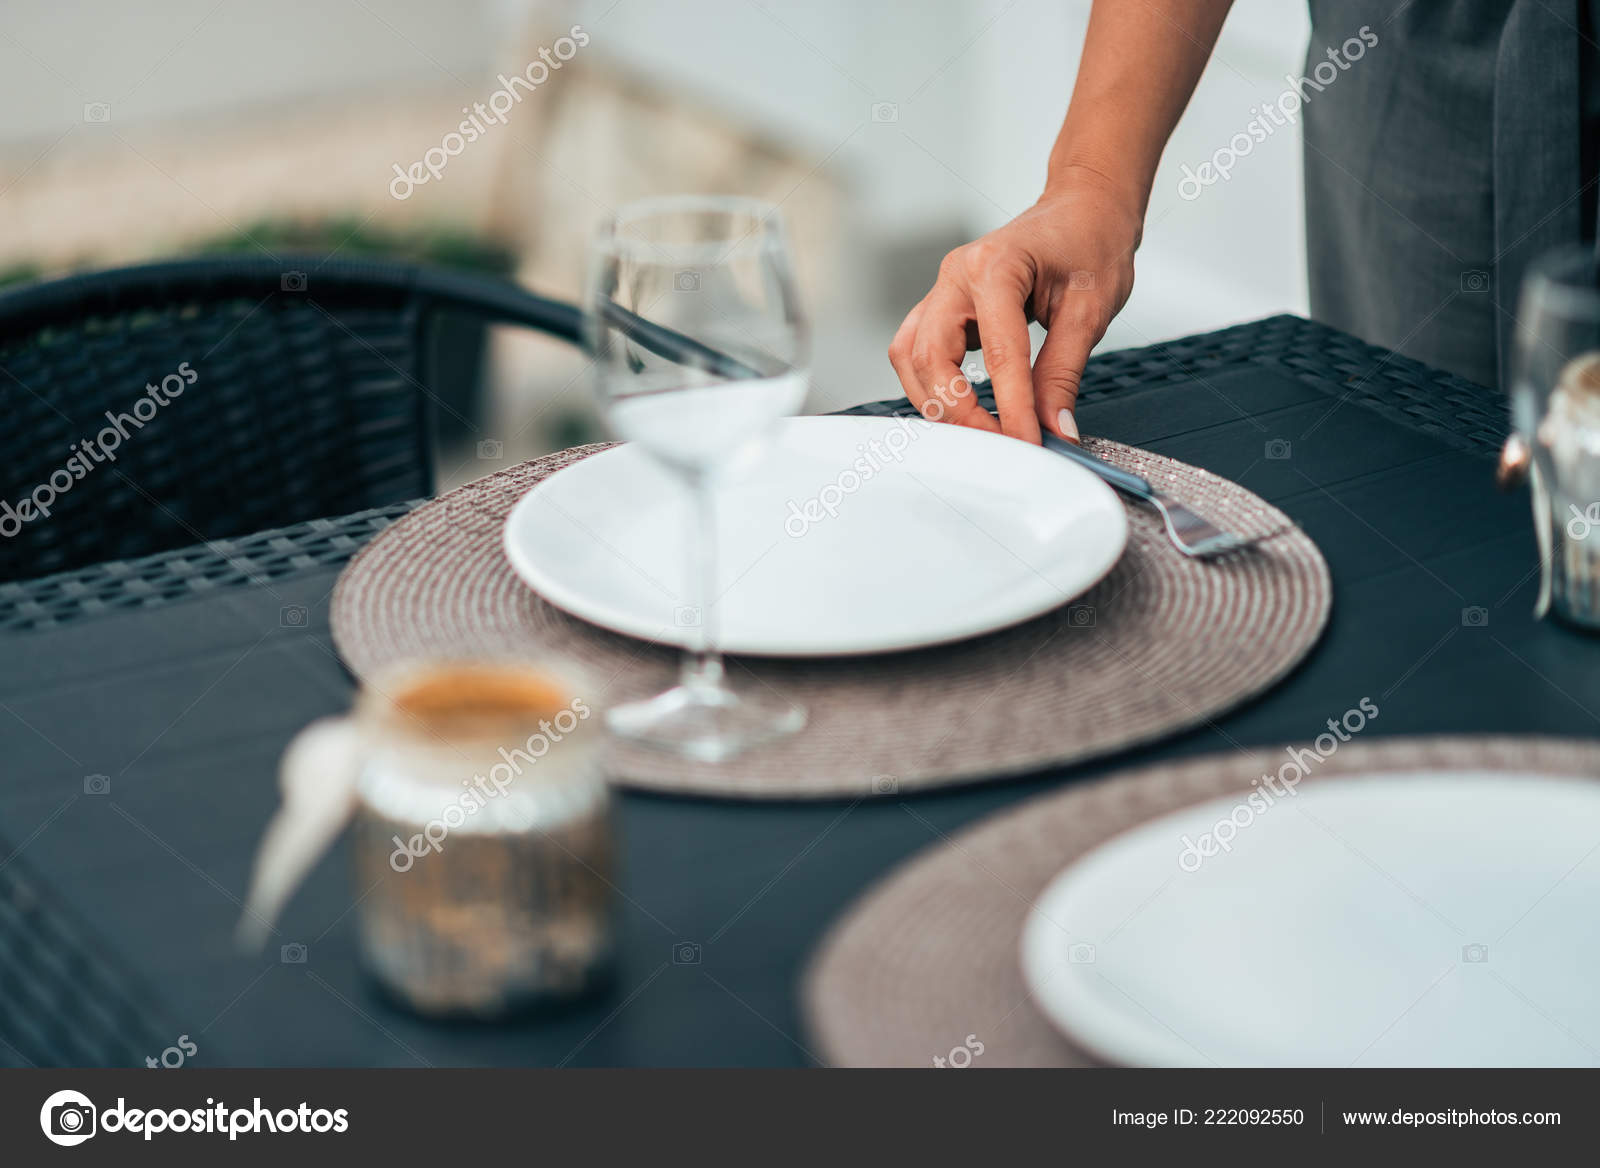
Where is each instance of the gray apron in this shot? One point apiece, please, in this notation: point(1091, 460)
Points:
point(1458, 147)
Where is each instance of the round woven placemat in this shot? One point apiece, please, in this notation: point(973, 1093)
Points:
point(930, 955)
point(1162, 644)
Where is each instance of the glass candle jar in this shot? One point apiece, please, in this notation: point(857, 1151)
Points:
point(481, 834)
point(1555, 400)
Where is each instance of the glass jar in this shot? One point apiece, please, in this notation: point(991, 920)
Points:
point(1555, 408)
point(481, 834)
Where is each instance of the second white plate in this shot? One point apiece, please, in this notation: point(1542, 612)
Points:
point(848, 535)
point(1441, 919)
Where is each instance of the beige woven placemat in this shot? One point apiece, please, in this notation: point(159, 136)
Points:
point(1162, 644)
point(930, 955)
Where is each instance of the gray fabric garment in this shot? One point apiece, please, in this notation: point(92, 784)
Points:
point(1438, 164)
point(1589, 132)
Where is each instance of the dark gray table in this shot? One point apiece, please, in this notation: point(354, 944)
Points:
point(180, 679)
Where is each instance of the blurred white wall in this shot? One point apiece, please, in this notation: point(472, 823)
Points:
point(162, 60)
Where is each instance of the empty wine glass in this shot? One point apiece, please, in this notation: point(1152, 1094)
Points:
point(700, 348)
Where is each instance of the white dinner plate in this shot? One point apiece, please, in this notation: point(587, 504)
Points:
point(843, 535)
point(1443, 919)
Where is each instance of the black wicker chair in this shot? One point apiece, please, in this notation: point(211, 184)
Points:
point(231, 395)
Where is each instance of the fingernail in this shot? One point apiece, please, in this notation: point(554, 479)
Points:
point(1068, 427)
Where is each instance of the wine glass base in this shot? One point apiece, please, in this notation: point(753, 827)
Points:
point(705, 723)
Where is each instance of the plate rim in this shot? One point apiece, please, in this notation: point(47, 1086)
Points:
point(621, 623)
point(1119, 1043)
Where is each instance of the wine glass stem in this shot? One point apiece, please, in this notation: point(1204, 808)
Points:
point(702, 665)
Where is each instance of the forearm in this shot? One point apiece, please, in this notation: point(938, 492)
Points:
point(1141, 62)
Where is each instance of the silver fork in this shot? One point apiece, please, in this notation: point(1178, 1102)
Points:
point(1192, 534)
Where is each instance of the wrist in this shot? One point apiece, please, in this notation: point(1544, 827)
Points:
point(1076, 177)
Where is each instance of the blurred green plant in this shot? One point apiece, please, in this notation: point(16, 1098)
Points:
point(20, 274)
point(446, 245)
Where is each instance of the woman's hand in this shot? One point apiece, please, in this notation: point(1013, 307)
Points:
point(1067, 262)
